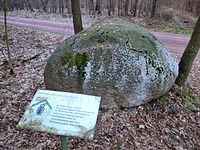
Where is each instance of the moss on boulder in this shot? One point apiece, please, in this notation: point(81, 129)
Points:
point(115, 59)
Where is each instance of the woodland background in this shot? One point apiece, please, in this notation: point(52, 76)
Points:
point(144, 8)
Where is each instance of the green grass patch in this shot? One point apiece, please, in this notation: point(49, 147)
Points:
point(177, 30)
point(190, 100)
point(166, 99)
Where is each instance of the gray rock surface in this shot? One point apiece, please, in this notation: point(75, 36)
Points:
point(115, 59)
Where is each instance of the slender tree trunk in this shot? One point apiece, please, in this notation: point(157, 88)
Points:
point(119, 7)
point(6, 37)
point(126, 7)
point(44, 5)
point(153, 11)
point(132, 7)
point(1, 5)
point(29, 6)
point(189, 55)
point(76, 11)
point(135, 9)
point(37, 6)
point(91, 7)
point(113, 3)
point(197, 10)
point(109, 7)
point(61, 6)
point(98, 6)
point(86, 6)
point(68, 6)
point(141, 7)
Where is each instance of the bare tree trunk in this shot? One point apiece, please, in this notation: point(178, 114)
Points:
point(113, 4)
point(197, 9)
point(1, 5)
point(86, 6)
point(91, 6)
point(77, 20)
point(153, 11)
point(145, 8)
point(135, 9)
point(141, 7)
point(61, 6)
point(98, 7)
point(68, 6)
point(126, 7)
point(189, 55)
point(132, 7)
point(119, 7)
point(44, 5)
point(37, 5)
point(29, 6)
point(109, 3)
point(6, 37)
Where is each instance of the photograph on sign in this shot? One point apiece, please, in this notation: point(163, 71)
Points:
point(62, 113)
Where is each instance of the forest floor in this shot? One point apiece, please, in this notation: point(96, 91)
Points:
point(170, 122)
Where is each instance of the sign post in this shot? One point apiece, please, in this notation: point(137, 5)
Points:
point(63, 142)
point(62, 113)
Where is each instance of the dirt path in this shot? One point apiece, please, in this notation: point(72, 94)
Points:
point(175, 43)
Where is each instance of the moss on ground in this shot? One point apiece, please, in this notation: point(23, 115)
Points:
point(174, 29)
point(190, 100)
point(177, 30)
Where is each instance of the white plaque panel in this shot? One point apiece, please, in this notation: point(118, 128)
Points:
point(62, 113)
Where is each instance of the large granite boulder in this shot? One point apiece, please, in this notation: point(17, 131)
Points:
point(115, 59)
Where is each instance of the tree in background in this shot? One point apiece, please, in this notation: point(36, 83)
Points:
point(61, 6)
point(76, 12)
point(111, 7)
point(126, 4)
point(197, 9)
point(91, 6)
point(6, 37)
point(135, 8)
point(189, 55)
point(153, 11)
point(44, 5)
point(143, 8)
point(98, 7)
point(29, 6)
point(68, 6)
point(119, 5)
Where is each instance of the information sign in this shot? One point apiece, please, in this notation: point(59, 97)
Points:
point(62, 113)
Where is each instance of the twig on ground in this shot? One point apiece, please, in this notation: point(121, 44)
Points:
point(31, 58)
